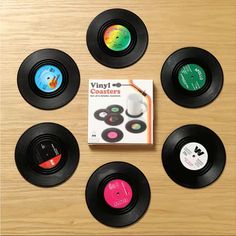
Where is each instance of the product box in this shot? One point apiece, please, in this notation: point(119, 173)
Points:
point(120, 112)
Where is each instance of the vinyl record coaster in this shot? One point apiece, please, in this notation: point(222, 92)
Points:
point(101, 114)
point(47, 154)
point(193, 156)
point(112, 135)
point(192, 77)
point(136, 126)
point(114, 119)
point(115, 108)
point(117, 194)
point(48, 79)
point(117, 38)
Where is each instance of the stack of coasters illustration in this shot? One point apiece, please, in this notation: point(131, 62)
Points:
point(120, 111)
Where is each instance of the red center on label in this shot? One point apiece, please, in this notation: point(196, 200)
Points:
point(118, 193)
point(51, 163)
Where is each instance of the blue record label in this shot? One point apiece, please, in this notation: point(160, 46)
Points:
point(48, 78)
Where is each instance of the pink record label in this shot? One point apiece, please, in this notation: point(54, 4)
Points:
point(118, 193)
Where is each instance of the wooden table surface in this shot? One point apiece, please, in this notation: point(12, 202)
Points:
point(29, 25)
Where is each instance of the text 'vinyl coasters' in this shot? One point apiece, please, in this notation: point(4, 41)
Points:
point(117, 38)
point(193, 156)
point(117, 194)
point(192, 77)
point(48, 79)
point(47, 154)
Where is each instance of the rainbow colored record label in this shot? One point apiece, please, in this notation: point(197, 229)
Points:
point(192, 77)
point(118, 193)
point(48, 78)
point(136, 126)
point(117, 37)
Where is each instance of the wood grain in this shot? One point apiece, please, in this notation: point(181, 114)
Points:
point(29, 25)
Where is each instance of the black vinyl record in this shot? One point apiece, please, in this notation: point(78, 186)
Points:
point(114, 119)
point(193, 156)
point(48, 79)
point(117, 38)
point(112, 135)
point(47, 154)
point(101, 114)
point(136, 126)
point(117, 194)
point(192, 77)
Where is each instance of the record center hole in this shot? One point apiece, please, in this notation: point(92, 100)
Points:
point(193, 155)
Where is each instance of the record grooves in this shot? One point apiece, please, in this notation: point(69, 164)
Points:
point(192, 77)
point(48, 79)
point(193, 156)
point(117, 194)
point(47, 154)
point(117, 38)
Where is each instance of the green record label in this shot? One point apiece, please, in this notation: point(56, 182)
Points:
point(192, 77)
point(115, 109)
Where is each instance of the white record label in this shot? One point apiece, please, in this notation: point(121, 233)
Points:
point(193, 156)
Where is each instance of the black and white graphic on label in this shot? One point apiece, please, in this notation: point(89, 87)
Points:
point(103, 114)
point(193, 156)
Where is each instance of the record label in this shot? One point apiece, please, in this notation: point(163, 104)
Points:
point(47, 154)
point(117, 37)
point(114, 119)
point(48, 78)
point(103, 114)
point(51, 163)
point(112, 135)
point(192, 77)
point(193, 156)
point(115, 108)
point(135, 126)
point(118, 193)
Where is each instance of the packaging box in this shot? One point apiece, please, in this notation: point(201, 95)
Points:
point(120, 112)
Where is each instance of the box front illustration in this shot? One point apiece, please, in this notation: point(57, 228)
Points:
point(120, 112)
